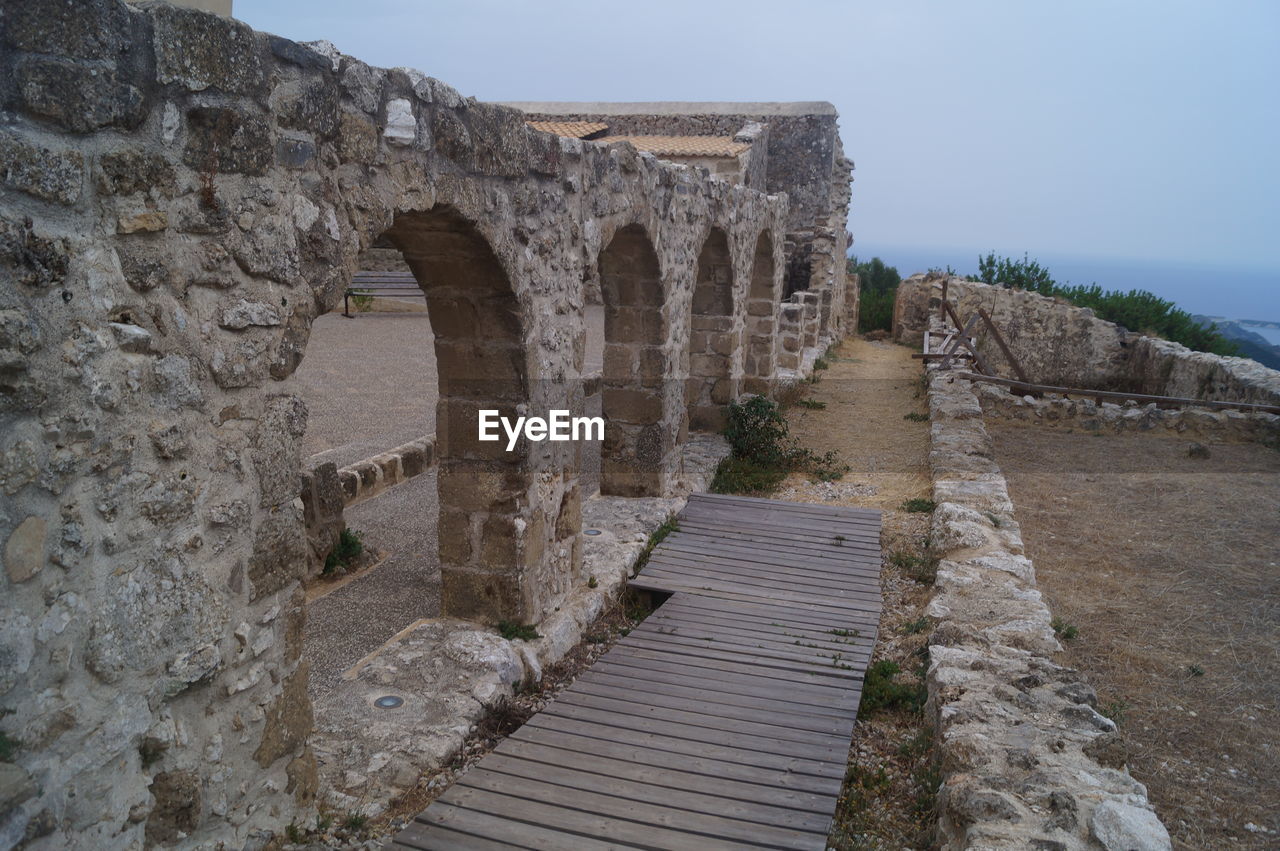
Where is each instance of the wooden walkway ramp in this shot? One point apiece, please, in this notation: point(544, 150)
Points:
point(722, 721)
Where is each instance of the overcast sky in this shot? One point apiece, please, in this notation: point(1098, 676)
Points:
point(1144, 130)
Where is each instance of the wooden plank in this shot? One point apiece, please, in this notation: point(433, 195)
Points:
point(961, 339)
point(698, 499)
point(813, 527)
point(821, 542)
point(689, 698)
point(755, 573)
point(836, 616)
point(576, 752)
point(695, 714)
point(635, 821)
point(655, 723)
point(711, 692)
point(834, 696)
point(422, 837)
point(745, 517)
point(837, 666)
point(567, 819)
point(731, 589)
point(847, 552)
point(784, 771)
point(700, 627)
point(522, 761)
point(770, 615)
point(495, 828)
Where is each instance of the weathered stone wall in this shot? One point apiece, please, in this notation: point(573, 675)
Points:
point(805, 160)
point(1169, 369)
point(181, 196)
point(1056, 411)
point(1055, 342)
point(1067, 346)
point(1026, 759)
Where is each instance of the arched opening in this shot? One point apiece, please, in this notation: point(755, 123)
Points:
point(636, 439)
point(395, 391)
point(762, 312)
point(712, 340)
point(480, 359)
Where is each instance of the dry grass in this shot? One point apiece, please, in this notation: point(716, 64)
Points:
point(887, 800)
point(1170, 568)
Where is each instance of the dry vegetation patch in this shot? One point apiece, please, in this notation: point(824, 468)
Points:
point(1167, 568)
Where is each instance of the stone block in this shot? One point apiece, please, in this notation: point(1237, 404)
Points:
point(228, 141)
point(76, 97)
point(52, 175)
point(200, 51)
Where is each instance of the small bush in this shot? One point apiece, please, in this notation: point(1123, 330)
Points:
point(919, 505)
point(923, 569)
point(916, 417)
point(763, 452)
point(345, 553)
point(821, 363)
point(593, 583)
point(355, 821)
point(362, 300)
point(1115, 710)
point(1062, 629)
point(1195, 671)
point(512, 631)
point(812, 404)
point(917, 626)
point(882, 691)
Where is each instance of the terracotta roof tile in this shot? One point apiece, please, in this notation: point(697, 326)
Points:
point(572, 129)
point(684, 146)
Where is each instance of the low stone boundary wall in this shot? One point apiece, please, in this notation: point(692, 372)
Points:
point(1026, 759)
point(1060, 344)
point(1054, 410)
point(370, 477)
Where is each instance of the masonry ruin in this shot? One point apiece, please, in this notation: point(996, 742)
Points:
point(180, 198)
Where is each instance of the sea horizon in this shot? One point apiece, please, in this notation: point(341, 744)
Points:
point(1226, 291)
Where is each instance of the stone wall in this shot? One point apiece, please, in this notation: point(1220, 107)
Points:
point(1056, 411)
point(1067, 346)
point(805, 160)
point(1055, 342)
point(181, 197)
point(1026, 759)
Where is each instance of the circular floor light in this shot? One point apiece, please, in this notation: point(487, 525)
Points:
point(591, 532)
point(388, 701)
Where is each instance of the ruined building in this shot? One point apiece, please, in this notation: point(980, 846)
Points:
point(180, 197)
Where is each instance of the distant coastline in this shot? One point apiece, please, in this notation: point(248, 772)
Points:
point(1248, 296)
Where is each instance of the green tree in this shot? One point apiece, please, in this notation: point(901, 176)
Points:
point(879, 287)
point(1137, 310)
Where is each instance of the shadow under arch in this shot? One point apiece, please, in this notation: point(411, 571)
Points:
point(763, 298)
point(481, 360)
point(713, 342)
point(638, 436)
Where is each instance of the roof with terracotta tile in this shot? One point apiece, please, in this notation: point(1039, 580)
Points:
point(683, 146)
point(572, 129)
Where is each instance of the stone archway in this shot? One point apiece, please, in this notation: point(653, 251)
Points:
point(762, 313)
point(476, 321)
point(713, 341)
point(632, 392)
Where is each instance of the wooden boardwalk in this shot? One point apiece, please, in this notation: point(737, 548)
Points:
point(722, 721)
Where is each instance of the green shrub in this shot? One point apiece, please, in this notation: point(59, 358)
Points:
point(878, 287)
point(916, 417)
point(1137, 310)
point(362, 300)
point(763, 452)
point(919, 505)
point(511, 630)
point(656, 537)
point(345, 553)
point(881, 690)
